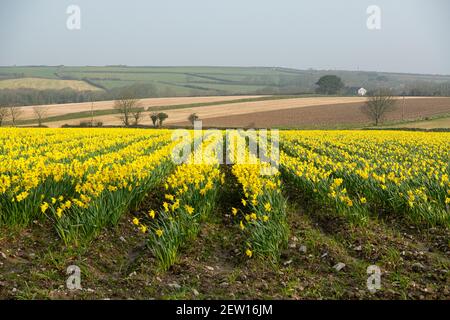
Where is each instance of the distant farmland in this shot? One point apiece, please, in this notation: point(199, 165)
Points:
point(336, 115)
point(210, 81)
point(179, 112)
point(77, 111)
point(250, 111)
point(46, 84)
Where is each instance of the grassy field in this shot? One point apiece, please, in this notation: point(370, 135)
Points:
point(437, 123)
point(113, 203)
point(46, 84)
point(182, 81)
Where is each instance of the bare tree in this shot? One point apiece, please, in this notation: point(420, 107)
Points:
point(15, 112)
point(125, 105)
point(136, 114)
point(161, 117)
point(4, 114)
point(193, 117)
point(154, 117)
point(41, 114)
point(378, 104)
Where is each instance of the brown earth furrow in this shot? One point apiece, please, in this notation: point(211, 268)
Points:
point(329, 115)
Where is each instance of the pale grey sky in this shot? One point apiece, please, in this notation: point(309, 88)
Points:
point(322, 34)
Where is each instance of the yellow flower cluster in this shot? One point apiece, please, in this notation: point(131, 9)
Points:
point(262, 215)
point(191, 188)
point(254, 185)
point(58, 171)
point(404, 172)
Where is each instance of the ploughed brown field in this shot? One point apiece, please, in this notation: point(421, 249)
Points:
point(303, 112)
point(232, 108)
point(330, 115)
point(53, 110)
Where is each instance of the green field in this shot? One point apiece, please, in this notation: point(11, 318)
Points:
point(437, 123)
point(186, 81)
point(52, 84)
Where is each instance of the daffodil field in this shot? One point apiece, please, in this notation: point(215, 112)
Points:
point(82, 181)
point(191, 194)
point(362, 174)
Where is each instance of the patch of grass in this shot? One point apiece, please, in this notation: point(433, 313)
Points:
point(46, 84)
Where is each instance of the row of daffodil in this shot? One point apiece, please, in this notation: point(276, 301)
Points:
point(262, 211)
point(96, 162)
point(360, 172)
point(191, 193)
point(101, 197)
point(38, 165)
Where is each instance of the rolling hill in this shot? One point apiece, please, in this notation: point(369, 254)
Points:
point(194, 81)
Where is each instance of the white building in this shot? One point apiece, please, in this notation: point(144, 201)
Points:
point(362, 92)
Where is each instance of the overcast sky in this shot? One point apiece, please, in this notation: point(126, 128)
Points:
point(322, 34)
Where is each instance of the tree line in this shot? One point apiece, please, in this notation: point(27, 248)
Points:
point(13, 113)
point(329, 84)
point(128, 106)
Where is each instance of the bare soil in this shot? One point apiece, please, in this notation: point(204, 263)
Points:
point(330, 115)
point(65, 108)
point(177, 116)
point(414, 262)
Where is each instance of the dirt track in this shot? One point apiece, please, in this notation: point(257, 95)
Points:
point(329, 115)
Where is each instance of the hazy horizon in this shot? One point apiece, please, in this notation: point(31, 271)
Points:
point(320, 35)
point(219, 66)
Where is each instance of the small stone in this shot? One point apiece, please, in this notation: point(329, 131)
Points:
point(358, 248)
point(174, 285)
point(294, 238)
point(121, 238)
point(292, 245)
point(287, 262)
point(3, 255)
point(195, 292)
point(132, 274)
point(339, 266)
point(209, 268)
point(90, 290)
point(224, 284)
point(427, 290)
point(418, 266)
point(302, 248)
point(243, 277)
point(14, 289)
